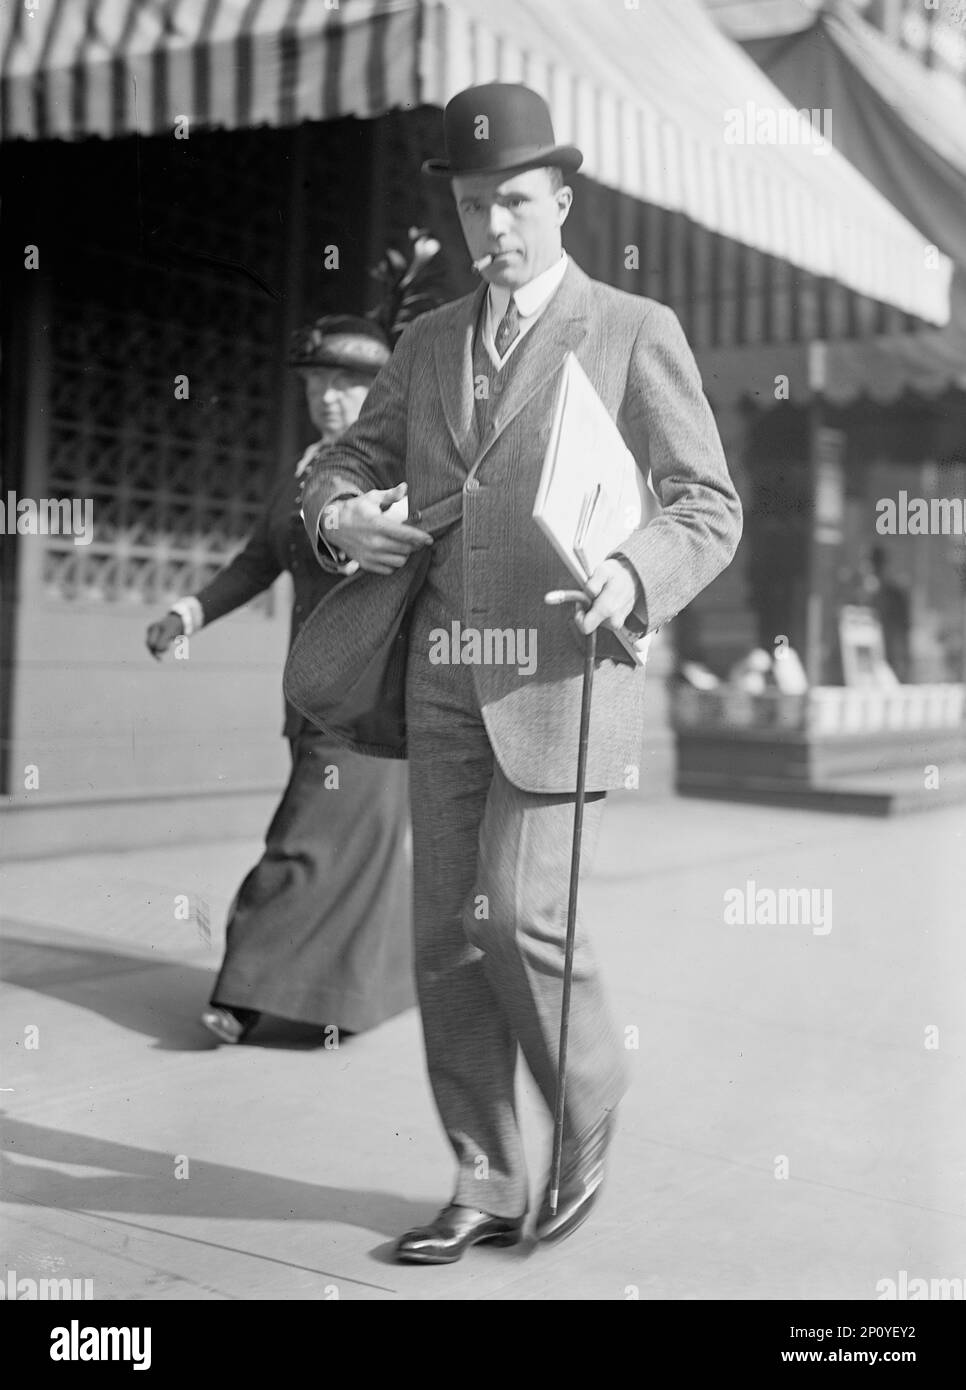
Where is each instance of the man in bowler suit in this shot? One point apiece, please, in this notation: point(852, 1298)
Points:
point(464, 407)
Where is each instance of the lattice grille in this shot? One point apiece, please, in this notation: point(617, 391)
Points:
point(175, 483)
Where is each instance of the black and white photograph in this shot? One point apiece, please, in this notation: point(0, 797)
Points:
point(483, 666)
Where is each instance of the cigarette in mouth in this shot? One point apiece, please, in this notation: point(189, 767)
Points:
point(480, 265)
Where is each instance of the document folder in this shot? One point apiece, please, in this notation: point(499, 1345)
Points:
point(592, 495)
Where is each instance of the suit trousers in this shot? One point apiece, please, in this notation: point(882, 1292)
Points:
point(491, 867)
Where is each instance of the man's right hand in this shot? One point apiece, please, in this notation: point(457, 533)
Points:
point(367, 531)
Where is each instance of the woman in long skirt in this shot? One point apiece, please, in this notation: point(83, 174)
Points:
point(321, 928)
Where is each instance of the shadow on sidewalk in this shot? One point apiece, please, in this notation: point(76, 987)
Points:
point(161, 999)
point(142, 1181)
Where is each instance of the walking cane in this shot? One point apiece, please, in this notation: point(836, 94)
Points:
point(558, 596)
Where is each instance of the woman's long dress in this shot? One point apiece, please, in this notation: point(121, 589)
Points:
point(321, 928)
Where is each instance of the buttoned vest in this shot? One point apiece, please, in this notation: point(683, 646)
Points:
point(444, 582)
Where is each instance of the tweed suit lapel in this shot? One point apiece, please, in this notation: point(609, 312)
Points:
point(559, 330)
point(453, 355)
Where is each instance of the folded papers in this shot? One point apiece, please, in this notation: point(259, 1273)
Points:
point(592, 495)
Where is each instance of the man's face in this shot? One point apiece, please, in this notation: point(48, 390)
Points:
point(334, 396)
point(516, 218)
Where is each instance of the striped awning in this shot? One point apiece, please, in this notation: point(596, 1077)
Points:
point(665, 108)
point(904, 128)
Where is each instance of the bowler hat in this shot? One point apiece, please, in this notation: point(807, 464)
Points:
point(498, 127)
point(340, 340)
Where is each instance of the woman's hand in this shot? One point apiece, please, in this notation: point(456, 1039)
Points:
point(161, 634)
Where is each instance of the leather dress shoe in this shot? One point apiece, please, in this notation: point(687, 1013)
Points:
point(447, 1238)
point(229, 1025)
point(581, 1178)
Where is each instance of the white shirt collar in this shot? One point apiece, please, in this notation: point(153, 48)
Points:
point(532, 296)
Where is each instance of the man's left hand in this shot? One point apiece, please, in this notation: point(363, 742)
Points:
point(615, 589)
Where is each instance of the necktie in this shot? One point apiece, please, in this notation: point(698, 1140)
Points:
point(508, 329)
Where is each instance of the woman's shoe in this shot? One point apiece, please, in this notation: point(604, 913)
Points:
point(229, 1025)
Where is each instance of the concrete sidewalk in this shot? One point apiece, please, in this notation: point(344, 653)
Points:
point(790, 1131)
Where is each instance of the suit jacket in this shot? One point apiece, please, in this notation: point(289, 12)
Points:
point(277, 542)
point(418, 424)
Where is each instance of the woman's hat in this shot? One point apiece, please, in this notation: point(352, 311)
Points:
point(340, 340)
point(499, 127)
